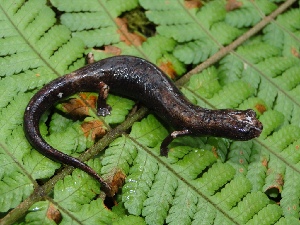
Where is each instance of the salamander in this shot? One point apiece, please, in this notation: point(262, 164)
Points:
point(141, 80)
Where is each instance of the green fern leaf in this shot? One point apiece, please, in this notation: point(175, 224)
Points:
point(268, 93)
point(195, 51)
point(276, 66)
point(274, 177)
point(37, 214)
point(183, 207)
point(13, 189)
point(284, 137)
point(239, 156)
point(225, 33)
point(290, 194)
point(271, 120)
point(249, 206)
point(287, 221)
point(257, 168)
point(235, 93)
point(163, 44)
point(212, 180)
point(93, 213)
point(268, 215)
point(230, 65)
point(33, 31)
point(227, 198)
point(290, 78)
point(129, 220)
point(71, 140)
point(192, 163)
point(118, 156)
point(204, 180)
point(255, 104)
point(248, 15)
point(206, 83)
point(120, 108)
point(13, 114)
point(12, 85)
point(148, 132)
point(274, 35)
point(205, 213)
point(103, 29)
point(75, 191)
point(256, 52)
point(193, 27)
point(160, 196)
point(139, 183)
point(39, 166)
point(291, 153)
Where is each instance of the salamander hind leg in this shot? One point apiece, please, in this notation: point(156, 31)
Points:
point(102, 108)
point(164, 145)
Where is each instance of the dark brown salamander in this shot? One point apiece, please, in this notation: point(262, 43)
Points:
point(141, 80)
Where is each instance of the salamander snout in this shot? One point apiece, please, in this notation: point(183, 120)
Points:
point(247, 125)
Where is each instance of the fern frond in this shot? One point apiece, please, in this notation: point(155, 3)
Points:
point(239, 156)
point(38, 211)
point(204, 180)
point(139, 183)
point(93, 213)
point(207, 215)
point(72, 192)
point(248, 15)
point(268, 215)
point(271, 120)
point(257, 52)
point(257, 104)
point(195, 51)
point(71, 140)
point(268, 93)
point(249, 206)
point(196, 29)
point(206, 83)
point(225, 33)
point(257, 168)
point(119, 156)
point(160, 197)
point(13, 189)
point(282, 38)
point(12, 115)
point(212, 180)
point(33, 27)
point(292, 153)
point(290, 194)
point(235, 93)
point(274, 177)
point(290, 78)
point(193, 163)
point(183, 207)
point(103, 29)
point(277, 66)
point(120, 108)
point(129, 220)
point(149, 127)
point(284, 137)
point(228, 199)
point(287, 221)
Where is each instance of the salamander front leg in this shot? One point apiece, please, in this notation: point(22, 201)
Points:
point(164, 145)
point(102, 108)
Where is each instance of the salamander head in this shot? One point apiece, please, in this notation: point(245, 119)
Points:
point(243, 125)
